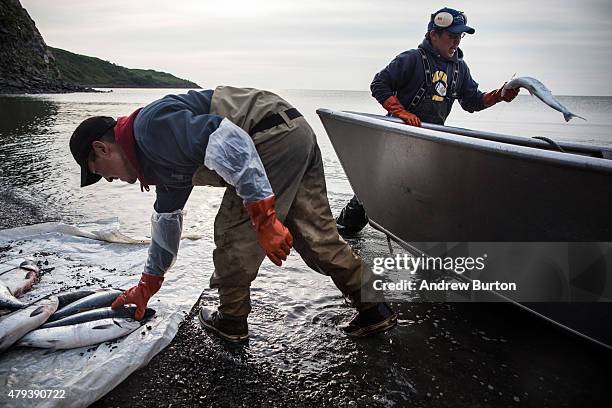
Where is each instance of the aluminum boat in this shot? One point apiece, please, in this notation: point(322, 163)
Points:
point(540, 211)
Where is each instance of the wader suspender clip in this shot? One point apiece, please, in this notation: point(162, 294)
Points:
point(453, 94)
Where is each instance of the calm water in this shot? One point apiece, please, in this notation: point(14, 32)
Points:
point(292, 329)
point(35, 161)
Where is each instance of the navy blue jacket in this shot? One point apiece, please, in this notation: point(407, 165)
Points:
point(170, 155)
point(177, 134)
point(404, 76)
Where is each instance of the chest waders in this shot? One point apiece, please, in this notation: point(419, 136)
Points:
point(287, 147)
point(423, 105)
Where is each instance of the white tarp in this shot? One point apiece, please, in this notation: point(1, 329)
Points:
point(93, 256)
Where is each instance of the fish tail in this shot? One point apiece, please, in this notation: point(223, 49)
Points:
point(569, 115)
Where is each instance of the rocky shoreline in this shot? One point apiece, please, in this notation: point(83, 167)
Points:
point(33, 90)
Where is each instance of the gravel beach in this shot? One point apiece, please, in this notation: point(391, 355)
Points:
point(460, 355)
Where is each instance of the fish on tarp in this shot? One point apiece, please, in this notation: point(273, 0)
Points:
point(20, 280)
point(79, 335)
point(540, 90)
point(97, 314)
point(9, 302)
point(14, 283)
point(98, 299)
point(17, 324)
point(65, 298)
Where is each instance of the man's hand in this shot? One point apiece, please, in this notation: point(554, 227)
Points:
point(502, 94)
point(140, 294)
point(272, 235)
point(508, 94)
point(395, 107)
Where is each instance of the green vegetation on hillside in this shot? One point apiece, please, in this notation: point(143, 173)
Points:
point(96, 73)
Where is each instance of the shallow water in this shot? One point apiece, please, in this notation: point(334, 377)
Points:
point(296, 312)
point(35, 161)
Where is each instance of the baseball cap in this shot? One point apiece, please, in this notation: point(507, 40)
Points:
point(451, 20)
point(84, 135)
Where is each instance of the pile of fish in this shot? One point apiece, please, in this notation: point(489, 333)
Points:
point(61, 321)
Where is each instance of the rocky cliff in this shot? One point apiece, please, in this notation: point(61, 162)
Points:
point(26, 63)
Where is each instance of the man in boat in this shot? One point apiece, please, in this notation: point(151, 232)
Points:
point(263, 151)
point(420, 85)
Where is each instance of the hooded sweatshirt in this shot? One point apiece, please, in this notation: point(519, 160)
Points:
point(405, 75)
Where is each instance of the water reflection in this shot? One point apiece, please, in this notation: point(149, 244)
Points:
point(26, 139)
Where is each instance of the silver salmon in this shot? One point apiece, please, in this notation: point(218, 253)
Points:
point(102, 298)
point(7, 300)
point(17, 324)
point(79, 335)
point(97, 314)
point(65, 298)
point(540, 90)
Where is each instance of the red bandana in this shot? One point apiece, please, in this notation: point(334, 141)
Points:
point(124, 136)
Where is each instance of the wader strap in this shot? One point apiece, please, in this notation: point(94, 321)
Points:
point(274, 120)
point(427, 83)
point(453, 93)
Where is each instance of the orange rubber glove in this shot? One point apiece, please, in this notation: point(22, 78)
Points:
point(272, 235)
point(507, 95)
point(395, 107)
point(140, 294)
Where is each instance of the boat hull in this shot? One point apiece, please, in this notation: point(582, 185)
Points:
point(541, 218)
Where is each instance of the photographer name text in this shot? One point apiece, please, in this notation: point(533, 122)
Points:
point(474, 285)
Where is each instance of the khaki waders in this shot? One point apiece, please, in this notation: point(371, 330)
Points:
point(294, 167)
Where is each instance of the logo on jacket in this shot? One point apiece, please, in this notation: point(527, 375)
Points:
point(440, 83)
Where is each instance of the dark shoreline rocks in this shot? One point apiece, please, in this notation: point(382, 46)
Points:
point(44, 90)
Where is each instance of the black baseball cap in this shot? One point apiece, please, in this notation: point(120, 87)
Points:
point(84, 135)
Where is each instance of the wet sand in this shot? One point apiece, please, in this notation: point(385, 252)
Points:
point(16, 212)
point(459, 356)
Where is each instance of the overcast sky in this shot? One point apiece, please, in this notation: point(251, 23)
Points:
point(333, 44)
